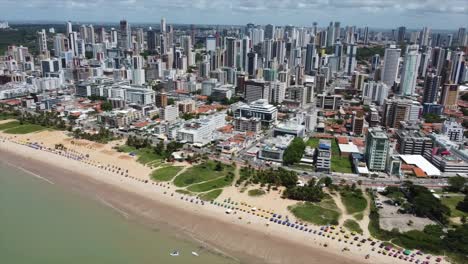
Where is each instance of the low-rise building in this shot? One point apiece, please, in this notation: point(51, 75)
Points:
point(273, 148)
point(200, 131)
point(323, 156)
point(261, 109)
point(289, 128)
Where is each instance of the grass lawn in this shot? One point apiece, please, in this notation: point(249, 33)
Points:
point(353, 226)
point(358, 216)
point(452, 202)
point(353, 201)
point(6, 116)
point(166, 173)
point(315, 214)
point(24, 129)
point(338, 164)
point(9, 125)
point(211, 195)
point(210, 185)
point(256, 192)
point(200, 173)
point(145, 155)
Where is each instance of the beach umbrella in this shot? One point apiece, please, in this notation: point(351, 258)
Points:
point(407, 252)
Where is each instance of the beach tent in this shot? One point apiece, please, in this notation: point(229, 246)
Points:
point(407, 252)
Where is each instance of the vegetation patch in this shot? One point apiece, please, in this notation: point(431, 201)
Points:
point(256, 192)
point(433, 239)
point(358, 216)
point(452, 203)
point(206, 171)
point(353, 226)
point(211, 195)
point(211, 185)
point(9, 125)
point(338, 163)
point(166, 173)
point(24, 129)
point(353, 200)
point(145, 155)
point(315, 214)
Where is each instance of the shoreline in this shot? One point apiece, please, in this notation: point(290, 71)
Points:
point(250, 240)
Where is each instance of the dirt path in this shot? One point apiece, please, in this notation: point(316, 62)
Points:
point(344, 214)
point(364, 223)
point(236, 174)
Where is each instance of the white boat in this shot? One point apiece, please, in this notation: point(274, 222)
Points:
point(195, 253)
point(175, 253)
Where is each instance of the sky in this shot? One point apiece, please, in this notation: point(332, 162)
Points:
point(437, 14)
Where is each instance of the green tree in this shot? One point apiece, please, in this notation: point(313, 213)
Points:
point(463, 205)
point(294, 151)
point(456, 184)
point(106, 106)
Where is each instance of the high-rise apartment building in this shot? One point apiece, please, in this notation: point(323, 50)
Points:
point(431, 88)
point(449, 96)
point(377, 149)
point(125, 41)
point(391, 65)
point(409, 73)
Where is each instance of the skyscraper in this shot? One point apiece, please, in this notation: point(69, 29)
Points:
point(310, 58)
point(409, 72)
point(431, 87)
point(42, 41)
point(163, 25)
point(69, 28)
point(461, 36)
point(377, 146)
point(350, 63)
point(125, 41)
point(252, 64)
point(269, 31)
point(337, 31)
point(231, 52)
point(449, 96)
point(457, 66)
point(366, 36)
point(401, 35)
point(391, 65)
point(424, 37)
point(330, 35)
point(151, 40)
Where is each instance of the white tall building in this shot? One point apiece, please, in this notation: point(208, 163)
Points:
point(59, 45)
point(409, 72)
point(375, 91)
point(453, 130)
point(69, 28)
point(457, 61)
point(277, 92)
point(391, 65)
point(42, 41)
point(424, 37)
point(169, 113)
point(350, 63)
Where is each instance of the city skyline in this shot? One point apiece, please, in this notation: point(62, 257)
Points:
point(413, 13)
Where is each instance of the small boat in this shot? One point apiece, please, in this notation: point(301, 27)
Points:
point(195, 254)
point(175, 253)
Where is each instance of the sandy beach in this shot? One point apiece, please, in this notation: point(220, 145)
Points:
point(243, 236)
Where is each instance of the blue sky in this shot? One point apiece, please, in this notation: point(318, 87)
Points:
point(438, 14)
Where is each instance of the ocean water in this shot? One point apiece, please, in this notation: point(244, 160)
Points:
point(42, 223)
